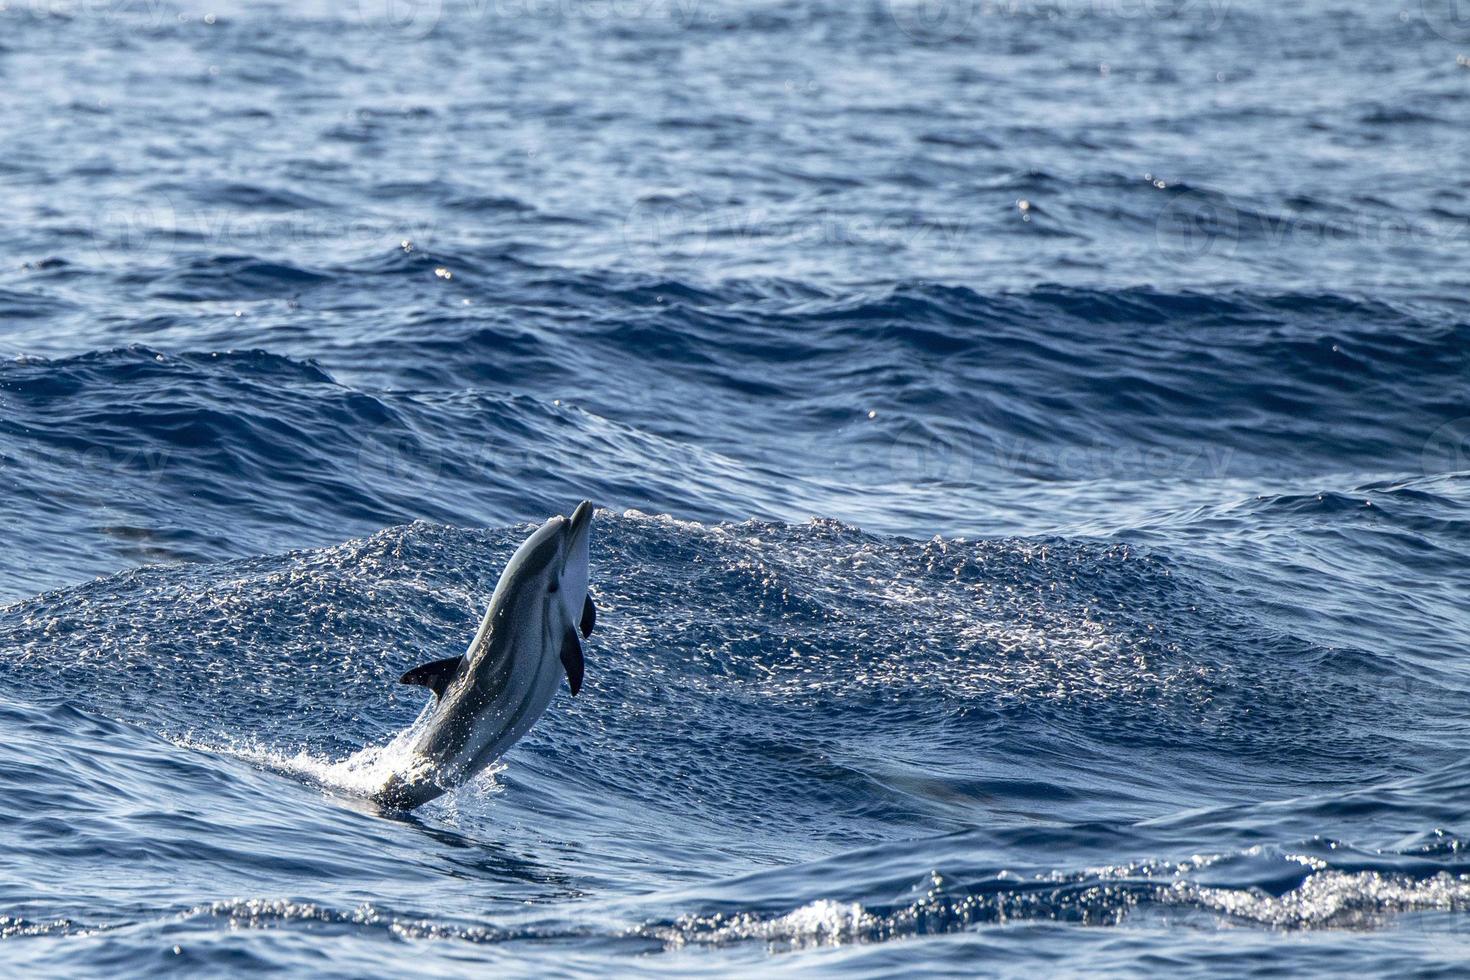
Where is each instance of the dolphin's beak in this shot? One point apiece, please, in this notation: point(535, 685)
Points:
point(576, 603)
point(574, 557)
point(580, 522)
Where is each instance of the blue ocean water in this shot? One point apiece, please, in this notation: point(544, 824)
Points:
point(1033, 441)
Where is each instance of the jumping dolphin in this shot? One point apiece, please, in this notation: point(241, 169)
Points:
point(487, 699)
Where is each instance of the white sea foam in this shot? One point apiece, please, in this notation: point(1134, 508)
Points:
point(362, 773)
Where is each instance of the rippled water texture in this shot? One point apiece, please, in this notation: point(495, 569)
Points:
point(1033, 443)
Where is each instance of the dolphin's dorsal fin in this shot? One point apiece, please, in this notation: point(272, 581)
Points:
point(589, 616)
point(435, 676)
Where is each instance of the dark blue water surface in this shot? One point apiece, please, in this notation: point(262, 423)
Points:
point(1033, 439)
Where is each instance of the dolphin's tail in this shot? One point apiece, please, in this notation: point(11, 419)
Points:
point(406, 794)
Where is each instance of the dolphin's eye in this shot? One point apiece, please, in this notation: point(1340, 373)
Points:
point(553, 586)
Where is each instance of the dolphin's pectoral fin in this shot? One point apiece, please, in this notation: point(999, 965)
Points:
point(589, 616)
point(435, 676)
point(571, 659)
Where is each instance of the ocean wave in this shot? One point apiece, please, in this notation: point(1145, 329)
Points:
point(1012, 648)
point(1022, 506)
point(1322, 900)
